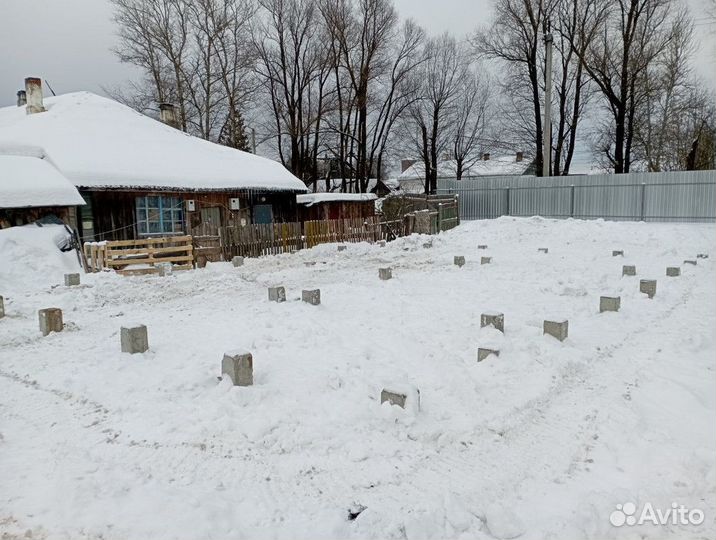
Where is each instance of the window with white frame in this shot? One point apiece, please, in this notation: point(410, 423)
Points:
point(157, 214)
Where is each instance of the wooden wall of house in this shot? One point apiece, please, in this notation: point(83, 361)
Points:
point(114, 212)
point(11, 217)
point(337, 210)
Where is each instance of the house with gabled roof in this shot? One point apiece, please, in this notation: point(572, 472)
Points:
point(140, 177)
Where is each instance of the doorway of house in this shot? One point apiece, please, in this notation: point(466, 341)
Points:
point(263, 213)
point(211, 215)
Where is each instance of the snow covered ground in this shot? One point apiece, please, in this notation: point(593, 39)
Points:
point(542, 442)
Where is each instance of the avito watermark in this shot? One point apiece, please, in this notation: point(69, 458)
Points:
point(676, 514)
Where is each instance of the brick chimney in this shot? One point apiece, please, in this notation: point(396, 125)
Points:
point(21, 98)
point(33, 95)
point(520, 157)
point(167, 114)
point(405, 164)
point(486, 157)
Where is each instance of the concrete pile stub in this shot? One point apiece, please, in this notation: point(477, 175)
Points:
point(239, 367)
point(277, 294)
point(50, 320)
point(311, 296)
point(72, 279)
point(493, 319)
point(628, 270)
point(134, 339)
point(648, 286)
point(609, 303)
point(557, 329)
point(385, 273)
point(237, 261)
point(673, 271)
point(459, 260)
point(483, 353)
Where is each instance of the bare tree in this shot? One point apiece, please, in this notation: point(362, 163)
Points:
point(471, 123)
point(630, 36)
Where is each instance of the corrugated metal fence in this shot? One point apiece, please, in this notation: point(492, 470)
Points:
point(673, 196)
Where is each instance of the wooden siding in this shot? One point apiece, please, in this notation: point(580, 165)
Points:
point(114, 212)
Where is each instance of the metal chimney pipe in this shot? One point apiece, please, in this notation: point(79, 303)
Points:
point(33, 95)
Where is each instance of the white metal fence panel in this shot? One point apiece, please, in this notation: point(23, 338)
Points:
point(673, 196)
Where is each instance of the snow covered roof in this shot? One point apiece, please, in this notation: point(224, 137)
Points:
point(30, 182)
point(498, 166)
point(99, 143)
point(313, 198)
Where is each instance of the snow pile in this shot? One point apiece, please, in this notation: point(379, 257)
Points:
point(30, 256)
point(29, 181)
point(97, 142)
point(541, 442)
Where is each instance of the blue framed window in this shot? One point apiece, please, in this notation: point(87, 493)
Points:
point(157, 214)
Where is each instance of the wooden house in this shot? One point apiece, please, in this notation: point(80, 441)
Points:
point(323, 206)
point(32, 189)
point(140, 177)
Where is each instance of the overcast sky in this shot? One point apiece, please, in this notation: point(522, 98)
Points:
point(68, 42)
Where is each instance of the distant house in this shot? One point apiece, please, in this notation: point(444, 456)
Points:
point(412, 177)
point(140, 177)
point(31, 189)
point(321, 206)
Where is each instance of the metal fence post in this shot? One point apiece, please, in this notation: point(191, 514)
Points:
point(507, 193)
point(643, 201)
point(571, 201)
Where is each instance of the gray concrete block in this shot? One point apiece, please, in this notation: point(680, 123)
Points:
point(459, 260)
point(72, 280)
point(618, 253)
point(165, 269)
point(239, 367)
point(50, 320)
point(648, 286)
point(428, 245)
point(483, 353)
point(134, 339)
point(690, 261)
point(237, 261)
point(342, 247)
point(277, 294)
point(2, 307)
point(482, 246)
point(311, 296)
point(385, 273)
point(485, 260)
point(557, 329)
point(543, 250)
point(381, 243)
point(401, 398)
point(495, 319)
point(702, 256)
point(609, 303)
point(673, 271)
point(628, 270)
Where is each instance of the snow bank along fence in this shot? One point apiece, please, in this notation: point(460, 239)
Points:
point(688, 196)
point(140, 256)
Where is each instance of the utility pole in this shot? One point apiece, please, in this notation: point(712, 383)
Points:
point(253, 140)
point(547, 127)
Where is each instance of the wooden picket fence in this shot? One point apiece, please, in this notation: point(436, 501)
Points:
point(260, 239)
point(140, 256)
